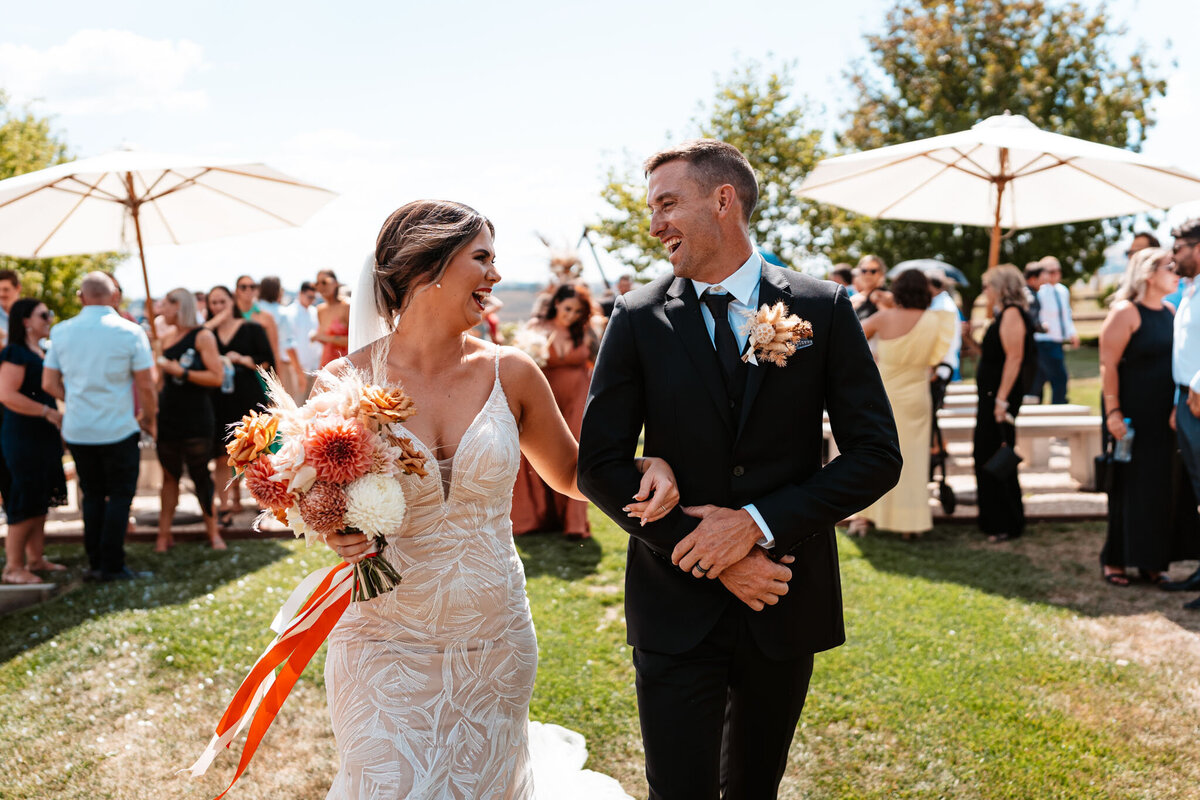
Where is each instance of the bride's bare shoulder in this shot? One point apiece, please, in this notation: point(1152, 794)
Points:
point(517, 368)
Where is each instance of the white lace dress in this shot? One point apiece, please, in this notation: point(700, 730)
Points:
point(429, 685)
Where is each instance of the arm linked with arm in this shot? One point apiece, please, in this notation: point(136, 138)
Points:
point(865, 430)
point(612, 422)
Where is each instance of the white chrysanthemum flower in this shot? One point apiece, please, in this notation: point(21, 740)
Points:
point(375, 505)
point(296, 523)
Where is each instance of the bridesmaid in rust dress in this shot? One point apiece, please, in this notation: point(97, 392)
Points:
point(572, 349)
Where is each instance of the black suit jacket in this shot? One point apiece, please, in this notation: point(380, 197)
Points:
point(658, 369)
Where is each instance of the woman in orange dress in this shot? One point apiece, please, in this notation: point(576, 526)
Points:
point(333, 318)
point(571, 348)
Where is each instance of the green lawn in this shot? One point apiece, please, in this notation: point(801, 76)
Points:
point(971, 671)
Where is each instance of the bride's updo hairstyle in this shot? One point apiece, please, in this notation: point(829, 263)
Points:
point(415, 246)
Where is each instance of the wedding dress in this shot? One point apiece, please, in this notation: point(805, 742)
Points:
point(429, 685)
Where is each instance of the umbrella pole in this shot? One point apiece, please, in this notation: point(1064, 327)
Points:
point(137, 229)
point(1001, 182)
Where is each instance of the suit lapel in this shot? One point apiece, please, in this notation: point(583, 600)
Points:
point(772, 288)
point(683, 310)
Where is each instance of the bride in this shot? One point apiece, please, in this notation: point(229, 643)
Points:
point(429, 685)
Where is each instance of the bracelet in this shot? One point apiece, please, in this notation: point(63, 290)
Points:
point(45, 411)
point(1112, 411)
point(1001, 403)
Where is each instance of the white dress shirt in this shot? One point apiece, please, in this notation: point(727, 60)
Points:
point(303, 322)
point(743, 285)
point(945, 303)
point(1185, 353)
point(1056, 314)
point(97, 353)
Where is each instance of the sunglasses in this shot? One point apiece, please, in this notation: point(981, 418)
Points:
point(247, 287)
point(869, 271)
point(1169, 267)
point(46, 315)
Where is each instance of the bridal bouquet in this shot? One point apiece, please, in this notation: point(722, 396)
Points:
point(330, 466)
point(533, 343)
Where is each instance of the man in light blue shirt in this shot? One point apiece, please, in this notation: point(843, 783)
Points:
point(1058, 329)
point(94, 362)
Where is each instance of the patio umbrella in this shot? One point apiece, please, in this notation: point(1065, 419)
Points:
point(124, 197)
point(926, 264)
point(1004, 172)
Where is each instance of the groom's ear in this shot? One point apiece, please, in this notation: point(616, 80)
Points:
point(727, 200)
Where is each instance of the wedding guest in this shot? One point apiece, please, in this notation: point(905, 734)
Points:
point(843, 275)
point(943, 302)
point(247, 306)
point(1057, 329)
point(30, 439)
point(1034, 280)
point(870, 295)
point(571, 349)
point(191, 370)
point(1145, 527)
point(94, 362)
point(302, 317)
point(624, 284)
point(270, 300)
point(912, 339)
point(333, 318)
point(244, 345)
point(10, 291)
point(1141, 240)
point(1007, 360)
point(1185, 369)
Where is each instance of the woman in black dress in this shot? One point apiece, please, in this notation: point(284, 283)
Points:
point(1005, 371)
point(1151, 514)
point(244, 347)
point(31, 443)
point(191, 370)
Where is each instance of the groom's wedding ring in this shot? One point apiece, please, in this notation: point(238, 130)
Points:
point(702, 570)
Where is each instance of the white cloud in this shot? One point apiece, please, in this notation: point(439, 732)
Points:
point(105, 72)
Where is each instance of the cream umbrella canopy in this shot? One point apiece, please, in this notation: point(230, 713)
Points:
point(1004, 172)
point(126, 197)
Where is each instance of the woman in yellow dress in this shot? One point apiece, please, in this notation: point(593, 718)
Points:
point(911, 339)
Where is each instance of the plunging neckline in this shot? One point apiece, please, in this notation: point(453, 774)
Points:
point(444, 490)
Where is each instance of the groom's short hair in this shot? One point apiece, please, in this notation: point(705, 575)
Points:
point(714, 163)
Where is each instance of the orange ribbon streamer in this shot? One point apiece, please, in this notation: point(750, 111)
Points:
point(263, 692)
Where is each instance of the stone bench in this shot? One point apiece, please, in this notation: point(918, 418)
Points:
point(1063, 410)
point(1034, 432)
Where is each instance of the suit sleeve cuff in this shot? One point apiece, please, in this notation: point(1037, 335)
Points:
point(767, 539)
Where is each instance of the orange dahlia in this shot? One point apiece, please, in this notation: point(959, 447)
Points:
point(255, 433)
point(268, 493)
point(323, 507)
point(339, 450)
point(386, 405)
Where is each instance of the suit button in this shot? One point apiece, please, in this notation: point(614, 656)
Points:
point(733, 404)
point(739, 471)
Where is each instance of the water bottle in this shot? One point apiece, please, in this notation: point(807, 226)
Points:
point(186, 360)
point(1123, 451)
point(227, 378)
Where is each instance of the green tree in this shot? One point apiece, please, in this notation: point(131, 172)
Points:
point(754, 109)
point(27, 144)
point(939, 66)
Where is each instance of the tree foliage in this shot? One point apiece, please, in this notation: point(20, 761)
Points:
point(755, 111)
point(939, 66)
point(27, 144)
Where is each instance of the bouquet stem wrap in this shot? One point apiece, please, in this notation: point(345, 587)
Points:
point(374, 575)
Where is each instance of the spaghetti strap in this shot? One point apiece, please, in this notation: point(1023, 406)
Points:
point(496, 361)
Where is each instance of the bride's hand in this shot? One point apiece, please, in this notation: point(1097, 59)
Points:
point(658, 492)
point(352, 547)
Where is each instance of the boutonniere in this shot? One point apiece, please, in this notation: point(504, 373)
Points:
point(773, 334)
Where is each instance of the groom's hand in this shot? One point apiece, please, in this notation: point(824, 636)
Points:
point(758, 581)
point(723, 537)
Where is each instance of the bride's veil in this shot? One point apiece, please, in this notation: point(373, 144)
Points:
point(368, 321)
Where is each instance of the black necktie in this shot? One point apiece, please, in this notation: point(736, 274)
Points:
point(732, 368)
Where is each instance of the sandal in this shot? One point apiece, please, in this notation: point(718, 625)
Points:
point(19, 577)
point(1155, 578)
point(858, 527)
point(225, 519)
point(1115, 578)
point(42, 565)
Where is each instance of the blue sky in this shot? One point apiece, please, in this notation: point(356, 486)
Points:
point(516, 108)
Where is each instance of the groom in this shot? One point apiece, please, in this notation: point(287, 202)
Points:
point(723, 632)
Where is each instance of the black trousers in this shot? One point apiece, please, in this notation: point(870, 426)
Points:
point(717, 721)
point(108, 476)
